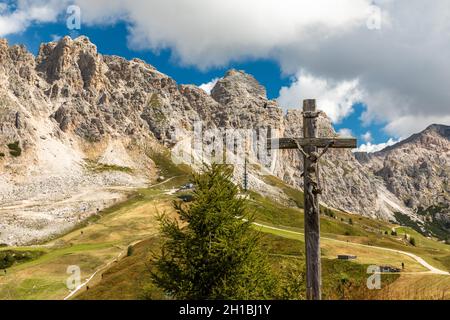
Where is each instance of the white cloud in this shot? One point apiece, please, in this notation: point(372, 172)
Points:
point(213, 33)
point(402, 68)
point(27, 12)
point(345, 133)
point(55, 37)
point(369, 147)
point(367, 137)
point(410, 124)
point(334, 98)
point(207, 87)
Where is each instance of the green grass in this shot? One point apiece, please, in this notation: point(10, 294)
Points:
point(10, 257)
point(175, 175)
point(435, 228)
point(100, 238)
point(363, 230)
point(154, 101)
point(102, 167)
point(130, 277)
point(165, 165)
point(31, 289)
point(268, 211)
point(296, 196)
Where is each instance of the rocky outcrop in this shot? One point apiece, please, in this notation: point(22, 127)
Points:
point(71, 106)
point(417, 169)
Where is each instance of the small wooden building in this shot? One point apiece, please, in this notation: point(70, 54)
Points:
point(346, 257)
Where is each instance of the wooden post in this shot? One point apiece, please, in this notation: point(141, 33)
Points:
point(312, 209)
point(309, 144)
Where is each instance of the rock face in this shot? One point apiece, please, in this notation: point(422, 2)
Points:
point(70, 110)
point(416, 170)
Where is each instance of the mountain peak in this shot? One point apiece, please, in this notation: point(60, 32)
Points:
point(63, 58)
point(237, 84)
point(440, 129)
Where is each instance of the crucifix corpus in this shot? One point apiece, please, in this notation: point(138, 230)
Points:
point(309, 146)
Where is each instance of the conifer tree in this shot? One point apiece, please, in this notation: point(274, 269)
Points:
point(212, 252)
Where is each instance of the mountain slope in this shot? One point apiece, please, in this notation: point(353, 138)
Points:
point(78, 129)
point(417, 171)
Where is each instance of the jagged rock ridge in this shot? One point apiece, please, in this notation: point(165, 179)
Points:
point(70, 107)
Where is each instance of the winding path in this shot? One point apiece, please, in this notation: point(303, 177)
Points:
point(430, 268)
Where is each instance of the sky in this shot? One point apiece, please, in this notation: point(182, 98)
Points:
point(379, 69)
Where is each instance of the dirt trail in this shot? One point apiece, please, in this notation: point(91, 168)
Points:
point(425, 264)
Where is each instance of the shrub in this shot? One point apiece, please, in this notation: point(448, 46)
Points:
point(215, 254)
point(11, 257)
point(412, 241)
point(14, 149)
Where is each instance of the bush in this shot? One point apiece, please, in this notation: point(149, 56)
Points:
point(350, 221)
point(14, 149)
point(215, 253)
point(412, 241)
point(2, 154)
point(328, 212)
point(292, 280)
point(11, 257)
point(393, 233)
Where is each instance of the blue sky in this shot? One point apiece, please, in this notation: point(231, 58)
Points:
point(360, 60)
point(112, 40)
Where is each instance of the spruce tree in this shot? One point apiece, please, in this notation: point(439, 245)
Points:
point(211, 251)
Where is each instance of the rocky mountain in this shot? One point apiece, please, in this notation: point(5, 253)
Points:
point(78, 129)
point(417, 171)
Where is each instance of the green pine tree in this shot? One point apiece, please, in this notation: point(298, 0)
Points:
point(212, 253)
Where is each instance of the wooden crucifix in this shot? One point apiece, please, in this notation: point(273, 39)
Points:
point(309, 145)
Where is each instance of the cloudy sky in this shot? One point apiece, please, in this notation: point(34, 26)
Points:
point(380, 69)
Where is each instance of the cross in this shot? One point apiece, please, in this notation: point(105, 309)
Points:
point(309, 145)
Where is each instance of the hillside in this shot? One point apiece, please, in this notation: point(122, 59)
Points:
point(78, 131)
point(111, 270)
point(113, 249)
point(417, 171)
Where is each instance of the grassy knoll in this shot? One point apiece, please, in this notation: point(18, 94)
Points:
point(365, 255)
point(177, 174)
point(89, 247)
point(361, 230)
point(97, 244)
point(416, 287)
point(129, 278)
